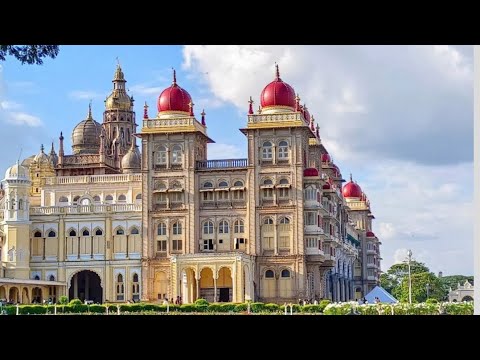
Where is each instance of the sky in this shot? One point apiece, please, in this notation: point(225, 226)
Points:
point(399, 118)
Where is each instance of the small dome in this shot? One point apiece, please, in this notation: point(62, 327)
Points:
point(17, 172)
point(132, 160)
point(278, 93)
point(352, 190)
point(310, 172)
point(41, 157)
point(336, 170)
point(86, 136)
point(326, 158)
point(370, 234)
point(174, 98)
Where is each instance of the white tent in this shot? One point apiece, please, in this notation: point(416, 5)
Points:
point(382, 294)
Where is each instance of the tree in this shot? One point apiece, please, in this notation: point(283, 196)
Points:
point(395, 275)
point(452, 281)
point(30, 54)
point(419, 288)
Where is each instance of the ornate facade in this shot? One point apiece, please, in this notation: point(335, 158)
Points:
point(109, 223)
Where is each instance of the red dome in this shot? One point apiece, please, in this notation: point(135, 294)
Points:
point(310, 172)
point(326, 186)
point(370, 234)
point(336, 170)
point(174, 98)
point(326, 158)
point(352, 190)
point(278, 93)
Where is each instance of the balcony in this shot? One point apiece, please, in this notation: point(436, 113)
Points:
point(221, 164)
point(313, 251)
point(85, 209)
point(93, 179)
point(313, 229)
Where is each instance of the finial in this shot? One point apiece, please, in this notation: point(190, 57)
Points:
point(203, 117)
point(145, 111)
point(190, 105)
point(297, 102)
point(42, 148)
point(318, 131)
point(312, 123)
point(174, 77)
point(250, 106)
point(259, 109)
point(61, 136)
point(277, 72)
point(350, 176)
point(90, 110)
point(118, 61)
point(52, 150)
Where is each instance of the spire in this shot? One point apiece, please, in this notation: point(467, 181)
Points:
point(297, 103)
point(203, 117)
point(250, 106)
point(277, 72)
point(350, 176)
point(190, 105)
point(134, 142)
point(312, 123)
point(118, 73)
point(42, 148)
point(318, 131)
point(259, 109)
point(145, 111)
point(52, 150)
point(89, 117)
point(174, 82)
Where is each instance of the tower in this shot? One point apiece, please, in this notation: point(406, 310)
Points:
point(118, 117)
point(16, 222)
point(41, 167)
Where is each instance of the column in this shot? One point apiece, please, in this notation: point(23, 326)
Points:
point(87, 286)
point(233, 273)
point(198, 287)
point(75, 286)
point(214, 288)
point(275, 237)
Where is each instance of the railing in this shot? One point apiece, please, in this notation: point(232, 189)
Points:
point(165, 123)
point(84, 209)
point(221, 164)
point(95, 179)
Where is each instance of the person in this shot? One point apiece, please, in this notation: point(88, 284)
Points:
point(315, 302)
point(180, 301)
point(377, 300)
point(365, 300)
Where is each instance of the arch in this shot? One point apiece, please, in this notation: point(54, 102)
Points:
point(51, 278)
point(134, 230)
point(135, 287)
point(224, 284)
point(207, 284)
point(63, 199)
point(85, 232)
point(223, 184)
point(135, 277)
point(177, 228)
point(268, 221)
point(119, 231)
point(138, 198)
point(162, 229)
point(37, 233)
point(98, 232)
point(85, 201)
point(120, 278)
point(284, 181)
point(467, 298)
point(121, 197)
point(268, 284)
point(269, 274)
point(161, 155)
point(160, 185)
point(223, 227)
point(238, 183)
point(108, 198)
point(189, 285)
point(208, 227)
point(267, 152)
point(89, 286)
point(25, 297)
point(283, 150)
point(267, 181)
point(284, 220)
point(72, 232)
point(176, 154)
point(52, 233)
point(285, 283)
point(37, 295)
point(207, 184)
point(75, 199)
point(36, 277)
point(3, 293)
point(96, 199)
point(285, 273)
point(14, 295)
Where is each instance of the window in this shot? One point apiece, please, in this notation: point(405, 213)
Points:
point(177, 228)
point(238, 195)
point(208, 227)
point(310, 218)
point(223, 227)
point(310, 194)
point(72, 233)
point(176, 245)
point(20, 204)
point(75, 200)
point(285, 221)
point(208, 244)
point(177, 197)
point(283, 241)
point(108, 199)
point(223, 184)
point(282, 150)
point(177, 154)
point(222, 195)
point(312, 243)
point(267, 182)
point(161, 155)
point(208, 196)
point(98, 232)
point(138, 198)
point(51, 278)
point(85, 202)
point(96, 199)
point(162, 245)
point(52, 233)
point(208, 185)
point(85, 233)
point(134, 231)
point(238, 227)
point(268, 221)
point(267, 151)
point(285, 273)
point(135, 288)
point(120, 231)
point(37, 234)
point(37, 277)
point(161, 198)
point(269, 274)
point(63, 200)
point(162, 229)
point(238, 183)
point(120, 288)
point(122, 198)
point(284, 182)
point(268, 193)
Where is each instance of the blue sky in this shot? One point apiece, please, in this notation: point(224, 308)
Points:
point(400, 118)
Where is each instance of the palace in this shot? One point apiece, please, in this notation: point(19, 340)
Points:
point(111, 223)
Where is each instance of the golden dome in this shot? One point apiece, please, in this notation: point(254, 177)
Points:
point(119, 99)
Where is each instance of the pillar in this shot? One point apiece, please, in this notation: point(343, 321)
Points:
point(215, 287)
point(87, 286)
point(75, 286)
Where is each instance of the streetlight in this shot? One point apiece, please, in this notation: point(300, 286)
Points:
point(409, 254)
point(428, 290)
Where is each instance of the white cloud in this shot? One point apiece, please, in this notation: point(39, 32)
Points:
point(144, 90)
point(224, 151)
point(348, 103)
point(22, 118)
point(85, 95)
point(9, 105)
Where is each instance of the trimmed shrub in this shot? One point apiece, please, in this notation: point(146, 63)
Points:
point(323, 304)
point(214, 308)
point(272, 308)
point(32, 309)
point(311, 309)
point(257, 307)
point(98, 309)
point(10, 309)
point(63, 300)
point(202, 307)
point(431, 301)
point(227, 307)
point(75, 302)
point(201, 302)
point(186, 308)
point(241, 307)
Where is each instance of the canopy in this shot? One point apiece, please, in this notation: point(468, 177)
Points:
point(382, 294)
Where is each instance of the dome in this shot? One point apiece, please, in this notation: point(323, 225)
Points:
point(174, 98)
point(310, 172)
point(370, 234)
point(326, 158)
point(278, 93)
point(119, 99)
point(326, 186)
point(336, 170)
point(132, 160)
point(41, 157)
point(352, 190)
point(86, 136)
point(17, 172)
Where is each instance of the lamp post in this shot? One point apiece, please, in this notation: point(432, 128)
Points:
point(409, 254)
point(428, 290)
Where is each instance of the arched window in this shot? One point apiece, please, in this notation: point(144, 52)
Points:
point(283, 192)
point(135, 288)
point(285, 221)
point(20, 204)
point(120, 231)
point(177, 228)
point(85, 201)
point(51, 278)
point(85, 232)
point(120, 288)
point(134, 231)
point(37, 277)
point(122, 198)
point(135, 278)
point(162, 229)
point(52, 233)
point(208, 227)
point(75, 200)
point(223, 227)
point(161, 155)
point(239, 227)
point(176, 154)
point(98, 232)
point(285, 273)
point(72, 233)
point(267, 182)
point(37, 234)
point(63, 200)
point(269, 274)
point(138, 198)
point(96, 199)
point(238, 183)
point(268, 221)
point(284, 182)
point(282, 150)
point(267, 150)
point(109, 199)
point(223, 184)
point(207, 185)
